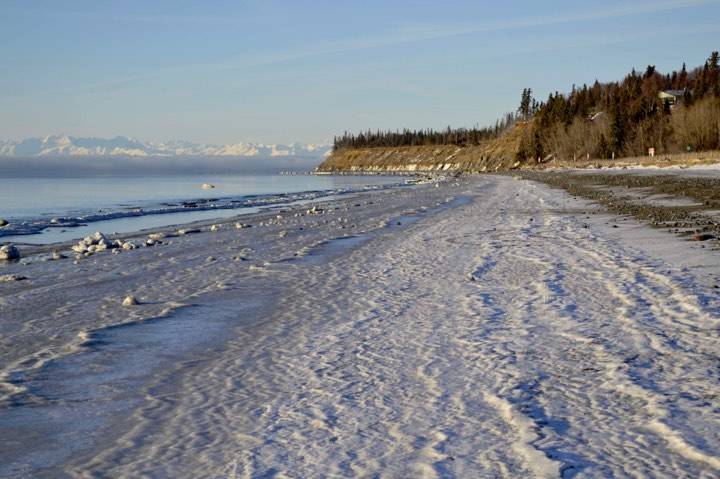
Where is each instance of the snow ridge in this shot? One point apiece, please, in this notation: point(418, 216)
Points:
point(63, 145)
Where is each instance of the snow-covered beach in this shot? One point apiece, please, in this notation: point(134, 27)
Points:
point(481, 327)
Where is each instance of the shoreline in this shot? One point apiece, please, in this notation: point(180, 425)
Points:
point(270, 239)
point(85, 306)
point(270, 222)
point(43, 225)
point(31, 251)
point(460, 318)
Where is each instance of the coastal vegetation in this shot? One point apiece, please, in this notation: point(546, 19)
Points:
point(427, 137)
point(668, 113)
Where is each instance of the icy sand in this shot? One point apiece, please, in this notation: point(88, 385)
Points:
point(502, 329)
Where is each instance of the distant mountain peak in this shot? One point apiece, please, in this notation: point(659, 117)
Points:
point(66, 145)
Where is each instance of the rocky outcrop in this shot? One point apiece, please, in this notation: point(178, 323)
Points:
point(9, 253)
point(7, 278)
point(95, 244)
point(130, 301)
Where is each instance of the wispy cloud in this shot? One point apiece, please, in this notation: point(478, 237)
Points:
point(422, 32)
point(405, 34)
point(120, 17)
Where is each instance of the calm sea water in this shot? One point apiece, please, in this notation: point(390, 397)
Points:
point(59, 209)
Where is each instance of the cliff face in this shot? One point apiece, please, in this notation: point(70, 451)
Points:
point(493, 155)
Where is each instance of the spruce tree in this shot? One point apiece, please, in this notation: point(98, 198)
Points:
point(525, 103)
point(617, 127)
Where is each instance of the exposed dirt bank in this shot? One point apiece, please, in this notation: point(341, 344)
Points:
point(493, 155)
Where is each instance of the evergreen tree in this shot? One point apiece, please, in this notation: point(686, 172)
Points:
point(687, 98)
point(714, 74)
point(617, 128)
point(569, 123)
point(650, 71)
point(714, 61)
point(682, 81)
point(538, 150)
point(525, 104)
point(603, 147)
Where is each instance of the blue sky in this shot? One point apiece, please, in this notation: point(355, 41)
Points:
point(282, 71)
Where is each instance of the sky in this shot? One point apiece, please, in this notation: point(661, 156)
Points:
point(302, 71)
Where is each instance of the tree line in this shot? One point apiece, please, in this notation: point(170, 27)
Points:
point(406, 137)
point(622, 118)
point(628, 117)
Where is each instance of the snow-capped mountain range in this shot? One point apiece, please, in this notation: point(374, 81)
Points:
point(63, 145)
